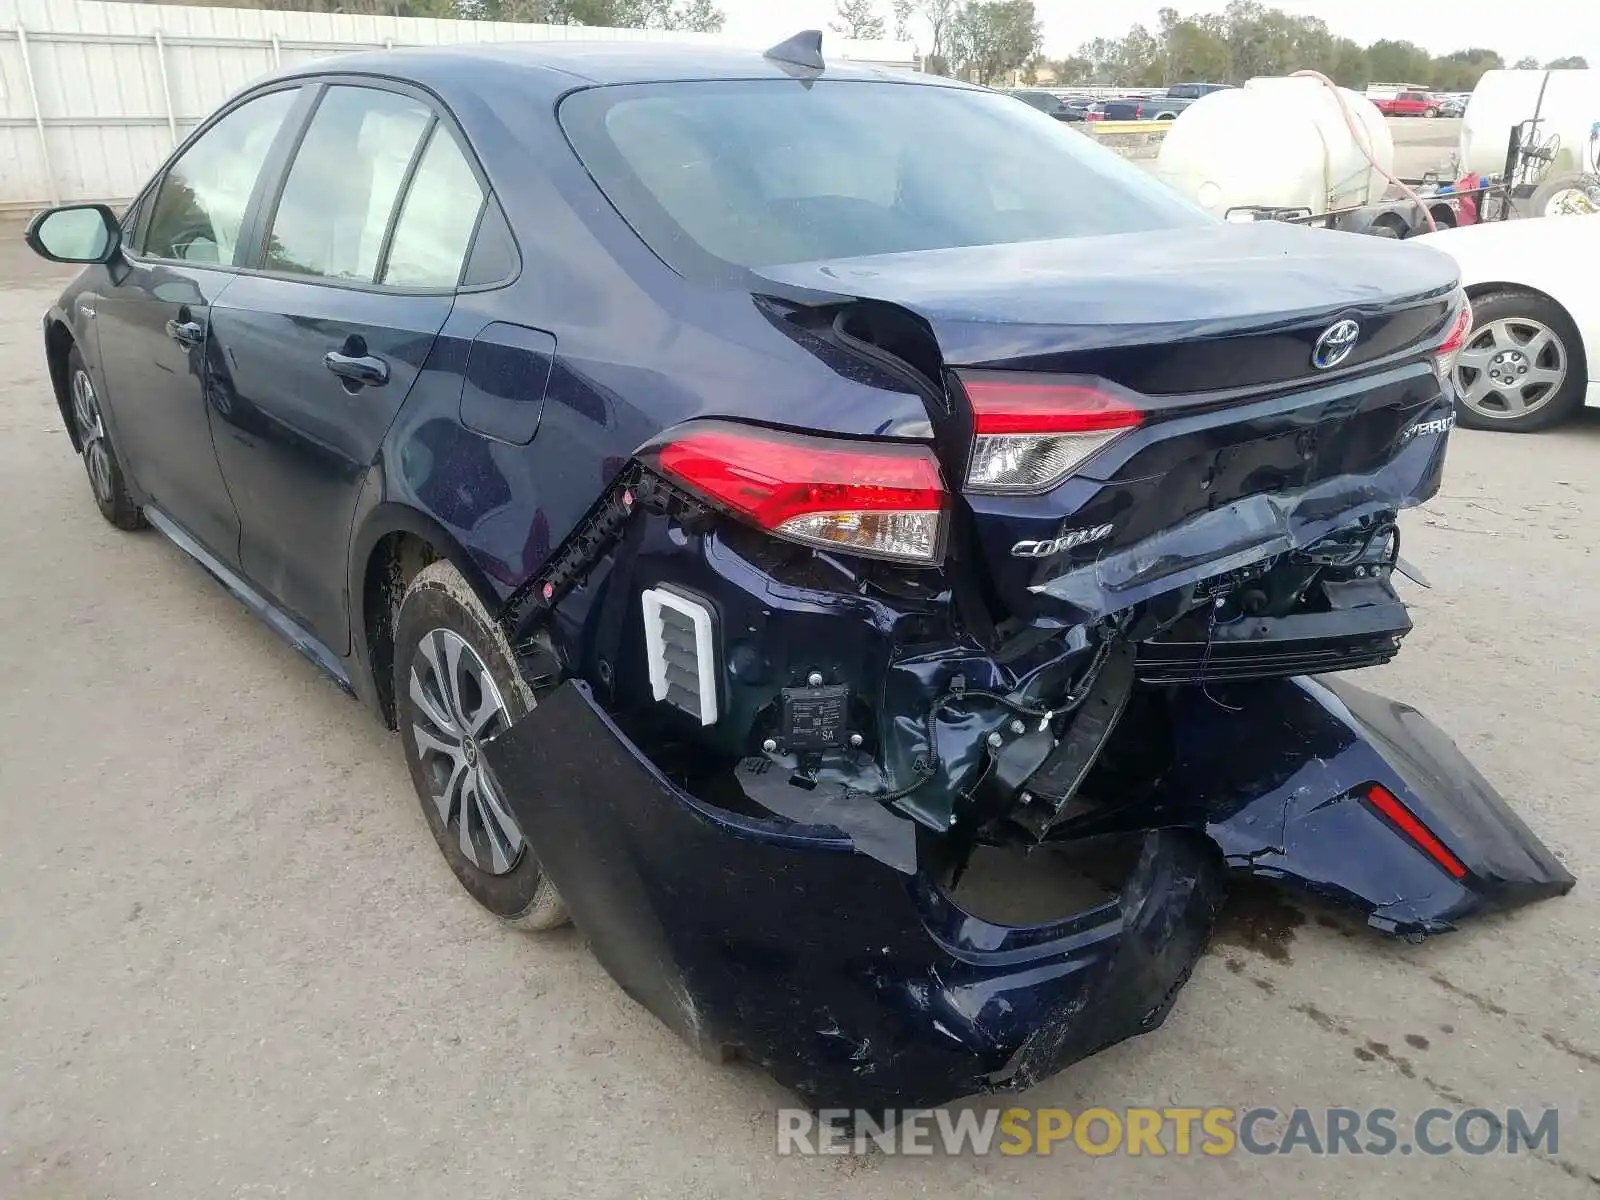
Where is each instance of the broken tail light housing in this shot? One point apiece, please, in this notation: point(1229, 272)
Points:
point(1030, 434)
point(881, 499)
point(1406, 823)
point(1444, 358)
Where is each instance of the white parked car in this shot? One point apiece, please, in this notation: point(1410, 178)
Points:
point(1533, 357)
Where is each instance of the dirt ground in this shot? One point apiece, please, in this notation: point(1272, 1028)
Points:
point(232, 963)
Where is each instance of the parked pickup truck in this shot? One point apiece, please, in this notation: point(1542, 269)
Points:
point(1410, 104)
point(1159, 108)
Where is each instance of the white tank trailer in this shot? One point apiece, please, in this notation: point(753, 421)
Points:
point(1283, 148)
point(1553, 118)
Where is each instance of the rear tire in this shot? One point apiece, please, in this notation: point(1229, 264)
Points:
point(1514, 323)
point(107, 483)
point(455, 685)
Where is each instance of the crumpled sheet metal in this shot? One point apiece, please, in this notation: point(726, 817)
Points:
point(1249, 531)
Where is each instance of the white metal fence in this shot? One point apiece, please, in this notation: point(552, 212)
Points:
point(93, 96)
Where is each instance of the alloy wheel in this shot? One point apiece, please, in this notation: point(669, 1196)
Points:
point(1574, 202)
point(458, 708)
point(1510, 367)
point(92, 436)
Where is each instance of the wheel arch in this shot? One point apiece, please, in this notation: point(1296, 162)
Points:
point(1483, 289)
point(58, 346)
point(393, 543)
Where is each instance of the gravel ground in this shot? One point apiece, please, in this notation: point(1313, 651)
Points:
point(233, 964)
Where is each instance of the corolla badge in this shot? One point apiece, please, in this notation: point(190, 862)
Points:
point(1335, 344)
point(1067, 539)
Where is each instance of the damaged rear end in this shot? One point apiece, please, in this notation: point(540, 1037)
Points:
point(912, 766)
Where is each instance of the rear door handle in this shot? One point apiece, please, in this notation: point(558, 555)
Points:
point(367, 370)
point(186, 333)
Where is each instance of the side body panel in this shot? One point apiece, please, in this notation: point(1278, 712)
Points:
point(294, 439)
point(153, 329)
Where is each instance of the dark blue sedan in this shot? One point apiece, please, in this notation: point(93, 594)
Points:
point(857, 544)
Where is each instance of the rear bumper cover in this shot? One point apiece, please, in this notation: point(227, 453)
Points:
point(860, 986)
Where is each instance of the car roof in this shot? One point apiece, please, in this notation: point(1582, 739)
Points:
point(559, 66)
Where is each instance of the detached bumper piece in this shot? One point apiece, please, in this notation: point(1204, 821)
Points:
point(1345, 795)
point(841, 968)
point(854, 984)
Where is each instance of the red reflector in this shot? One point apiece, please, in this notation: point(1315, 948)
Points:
point(1457, 337)
point(1402, 818)
point(771, 477)
point(999, 407)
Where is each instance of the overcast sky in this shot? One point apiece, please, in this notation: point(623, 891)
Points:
point(1544, 28)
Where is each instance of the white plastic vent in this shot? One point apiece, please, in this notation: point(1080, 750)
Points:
point(680, 643)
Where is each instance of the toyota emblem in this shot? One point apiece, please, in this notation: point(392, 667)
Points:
point(1335, 344)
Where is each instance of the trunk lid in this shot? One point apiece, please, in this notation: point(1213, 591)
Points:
point(1249, 447)
point(1228, 305)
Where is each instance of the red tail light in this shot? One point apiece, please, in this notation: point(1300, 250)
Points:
point(1444, 358)
point(881, 499)
point(1406, 822)
point(1029, 435)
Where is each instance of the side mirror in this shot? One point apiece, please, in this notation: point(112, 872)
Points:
point(75, 233)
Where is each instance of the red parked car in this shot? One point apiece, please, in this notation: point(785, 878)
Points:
point(1409, 104)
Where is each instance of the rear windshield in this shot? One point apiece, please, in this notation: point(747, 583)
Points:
point(756, 173)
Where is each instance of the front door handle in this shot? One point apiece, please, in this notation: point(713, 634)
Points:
point(186, 333)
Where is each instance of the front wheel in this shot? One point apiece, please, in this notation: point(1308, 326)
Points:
point(456, 686)
point(1522, 368)
point(1431, 113)
point(100, 460)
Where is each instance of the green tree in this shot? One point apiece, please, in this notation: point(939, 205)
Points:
point(1399, 62)
point(1314, 48)
point(1573, 62)
point(991, 37)
point(1349, 64)
point(1142, 62)
point(1460, 70)
point(1103, 57)
point(903, 10)
point(1528, 63)
point(1261, 41)
point(695, 16)
point(941, 18)
point(1074, 71)
point(1193, 50)
point(857, 19)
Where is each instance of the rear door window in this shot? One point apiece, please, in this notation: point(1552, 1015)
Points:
point(341, 193)
point(434, 229)
point(200, 207)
